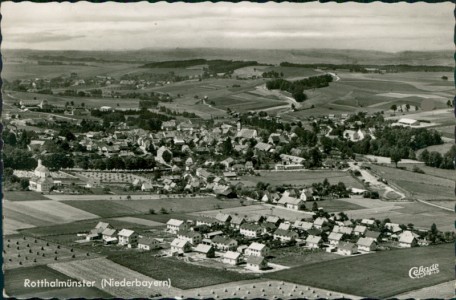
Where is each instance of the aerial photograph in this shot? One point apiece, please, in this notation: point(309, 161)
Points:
point(228, 150)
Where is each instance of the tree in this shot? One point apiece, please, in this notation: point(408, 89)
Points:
point(449, 103)
point(393, 107)
point(407, 107)
point(444, 77)
point(167, 156)
point(24, 182)
point(163, 211)
point(434, 229)
point(395, 156)
point(315, 206)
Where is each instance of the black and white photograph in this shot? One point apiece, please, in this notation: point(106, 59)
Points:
point(228, 150)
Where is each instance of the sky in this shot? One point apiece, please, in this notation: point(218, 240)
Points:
point(121, 26)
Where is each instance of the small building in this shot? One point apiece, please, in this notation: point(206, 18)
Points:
point(224, 219)
point(180, 246)
point(257, 249)
point(291, 202)
point(407, 240)
point(174, 225)
point(109, 236)
point(236, 222)
point(209, 222)
point(256, 263)
point(366, 244)
point(207, 250)
point(128, 238)
point(232, 258)
point(148, 243)
point(302, 225)
point(347, 248)
point(320, 222)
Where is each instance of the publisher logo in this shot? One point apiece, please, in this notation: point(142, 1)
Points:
point(420, 272)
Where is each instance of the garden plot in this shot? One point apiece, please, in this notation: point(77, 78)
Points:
point(140, 221)
point(107, 177)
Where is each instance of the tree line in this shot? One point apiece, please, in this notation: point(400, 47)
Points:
point(296, 88)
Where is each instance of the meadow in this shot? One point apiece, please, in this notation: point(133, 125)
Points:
point(380, 275)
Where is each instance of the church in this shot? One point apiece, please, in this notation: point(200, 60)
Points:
point(42, 180)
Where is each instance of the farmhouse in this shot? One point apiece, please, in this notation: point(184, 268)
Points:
point(232, 258)
point(407, 240)
point(314, 242)
point(285, 235)
point(192, 237)
point(290, 202)
point(257, 249)
point(347, 248)
point(393, 227)
point(223, 218)
point(366, 244)
point(251, 230)
point(109, 235)
point(180, 246)
point(256, 263)
point(128, 237)
point(148, 243)
point(237, 221)
point(207, 250)
point(174, 225)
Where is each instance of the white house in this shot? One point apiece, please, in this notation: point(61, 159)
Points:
point(174, 225)
point(366, 244)
point(192, 237)
point(251, 230)
point(148, 243)
point(285, 235)
point(360, 230)
point(128, 237)
point(334, 238)
point(407, 239)
point(347, 248)
point(232, 258)
point(257, 249)
point(256, 263)
point(314, 242)
point(180, 246)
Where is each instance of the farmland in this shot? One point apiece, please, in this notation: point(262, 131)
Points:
point(301, 178)
point(380, 275)
point(112, 208)
point(181, 274)
point(28, 252)
point(14, 284)
point(24, 196)
point(102, 268)
point(298, 256)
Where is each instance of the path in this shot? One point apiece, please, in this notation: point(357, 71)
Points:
point(435, 205)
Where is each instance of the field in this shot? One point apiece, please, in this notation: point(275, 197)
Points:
point(26, 214)
point(113, 208)
point(299, 256)
point(28, 252)
point(14, 285)
point(380, 275)
point(102, 268)
point(24, 196)
point(301, 178)
point(422, 186)
point(442, 149)
point(182, 275)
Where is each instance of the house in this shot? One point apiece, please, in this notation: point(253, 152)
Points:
point(128, 237)
point(360, 230)
point(192, 237)
point(368, 222)
point(147, 187)
point(251, 230)
point(263, 146)
point(273, 219)
point(224, 243)
point(180, 246)
point(257, 249)
point(285, 235)
point(393, 227)
point(257, 219)
point(347, 248)
point(285, 226)
point(290, 202)
point(241, 249)
point(407, 240)
point(373, 234)
point(224, 219)
point(302, 225)
point(213, 234)
point(366, 244)
point(207, 250)
point(232, 258)
point(109, 235)
point(334, 238)
point(208, 221)
point(236, 222)
point(246, 133)
point(306, 195)
point(148, 243)
point(256, 263)
point(291, 159)
point(320, 222)
point(174, 225)
point(314, 242)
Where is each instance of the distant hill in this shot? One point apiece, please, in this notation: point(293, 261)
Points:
point(304, 56)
